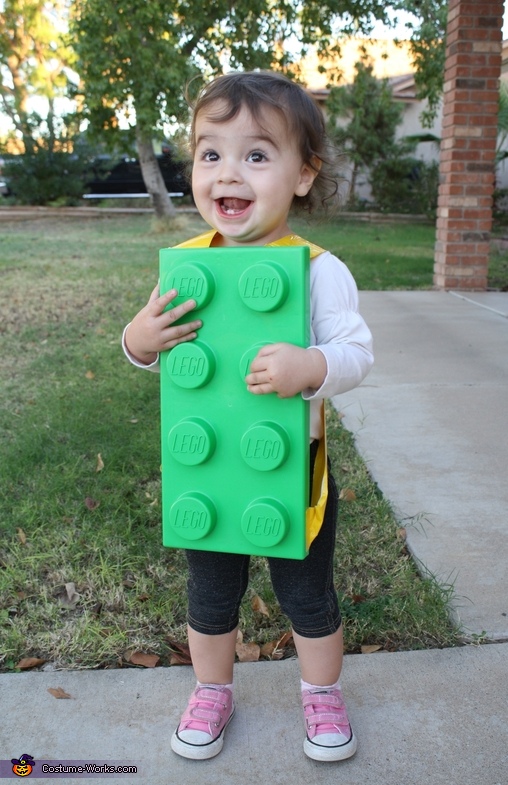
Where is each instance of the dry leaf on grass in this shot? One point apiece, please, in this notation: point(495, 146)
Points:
point(100, 463)
point(59, 692)
point(259, 606)
point(267, 649)
point(69, 598)
point(275, 650)
point(370, 649)
point(347, 495)
point(92, 504)
point(246, 652)
point(146, 660)
point(180, 653)
point(21, 536)
point(282, 644)
point(29, 662)
point(90, 375)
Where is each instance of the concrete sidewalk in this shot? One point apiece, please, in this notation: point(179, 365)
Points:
point(431, 422)
point(436, 717)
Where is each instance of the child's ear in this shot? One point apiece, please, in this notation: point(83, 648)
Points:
point(308, 174)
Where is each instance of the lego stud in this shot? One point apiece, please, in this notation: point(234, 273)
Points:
point(193, 282)
point(191, 365)
point(192, 441)
point(265, 522)
point(192, 516)
point(265, 446)
point(264, 287)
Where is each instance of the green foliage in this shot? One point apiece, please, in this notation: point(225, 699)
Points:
point(34, 59)
point(402, 184)
point(502, 122)
point(44, 176)
point(372, 113)
point(53, 168)
point(399, 182)
point(130, 60)
point(137, 57)
point(428, 46)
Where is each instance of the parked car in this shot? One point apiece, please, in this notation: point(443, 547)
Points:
point(4, 188)
point(125, 177)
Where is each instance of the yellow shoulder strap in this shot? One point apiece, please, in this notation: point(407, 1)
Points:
point(205, 240)
point(294, 239)
point(201, 241)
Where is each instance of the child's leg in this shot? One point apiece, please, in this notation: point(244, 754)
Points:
point(320, 658)
point(306, 592)
point(213, 656)
point(216, 585)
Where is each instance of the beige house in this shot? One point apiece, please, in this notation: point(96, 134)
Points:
point(392, 61)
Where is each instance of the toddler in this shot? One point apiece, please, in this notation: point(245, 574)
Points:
point(259, 148)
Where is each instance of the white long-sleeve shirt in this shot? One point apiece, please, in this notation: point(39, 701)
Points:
point(337, 330)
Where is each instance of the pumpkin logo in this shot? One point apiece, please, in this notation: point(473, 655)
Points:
point(23, 767)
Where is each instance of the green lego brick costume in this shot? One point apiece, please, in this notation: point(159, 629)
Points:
point(319, 491)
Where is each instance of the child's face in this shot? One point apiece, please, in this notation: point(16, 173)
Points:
point(245, 176)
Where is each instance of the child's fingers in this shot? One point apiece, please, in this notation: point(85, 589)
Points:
point(178, 330)
point(260, 389)
point(182, 339)
point(155, 294)
point(161, 301)
point(256, 377)
point(269, 348)
point(264, 357)
point(180, 310)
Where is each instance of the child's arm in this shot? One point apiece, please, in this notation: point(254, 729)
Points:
point(153, 330)
point(340, 355)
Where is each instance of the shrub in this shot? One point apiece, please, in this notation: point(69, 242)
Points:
point(45, 176)
point(405, 185)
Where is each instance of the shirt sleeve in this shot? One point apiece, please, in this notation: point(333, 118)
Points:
point(154, 367)
point(337, 328)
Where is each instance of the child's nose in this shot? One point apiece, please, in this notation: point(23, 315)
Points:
point(229, 171)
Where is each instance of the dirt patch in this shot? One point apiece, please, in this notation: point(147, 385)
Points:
point(43, 302)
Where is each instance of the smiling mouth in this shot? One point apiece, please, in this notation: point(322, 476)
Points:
point(233, 206)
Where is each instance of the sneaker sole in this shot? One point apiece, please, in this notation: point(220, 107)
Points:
point(317, 752)
point(200, 751)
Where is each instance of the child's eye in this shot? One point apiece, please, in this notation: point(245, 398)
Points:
point(256, 157)
point(210, 155)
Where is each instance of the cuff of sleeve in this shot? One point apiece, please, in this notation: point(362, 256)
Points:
point(152, 367)
point(310, 393)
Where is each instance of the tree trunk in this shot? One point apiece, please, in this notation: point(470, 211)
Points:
point(152, 176)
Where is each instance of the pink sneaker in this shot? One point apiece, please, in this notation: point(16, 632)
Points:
point(329, 734)
point(200, 734)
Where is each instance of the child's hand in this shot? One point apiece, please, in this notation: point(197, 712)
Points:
point(286, 370)
point(153, 330)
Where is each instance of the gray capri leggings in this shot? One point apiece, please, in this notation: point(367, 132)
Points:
point(304, 588)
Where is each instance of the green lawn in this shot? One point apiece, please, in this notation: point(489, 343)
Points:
point(84, 580)
point(380, 255)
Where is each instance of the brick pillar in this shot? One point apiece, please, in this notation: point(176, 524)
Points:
point(468, 143)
